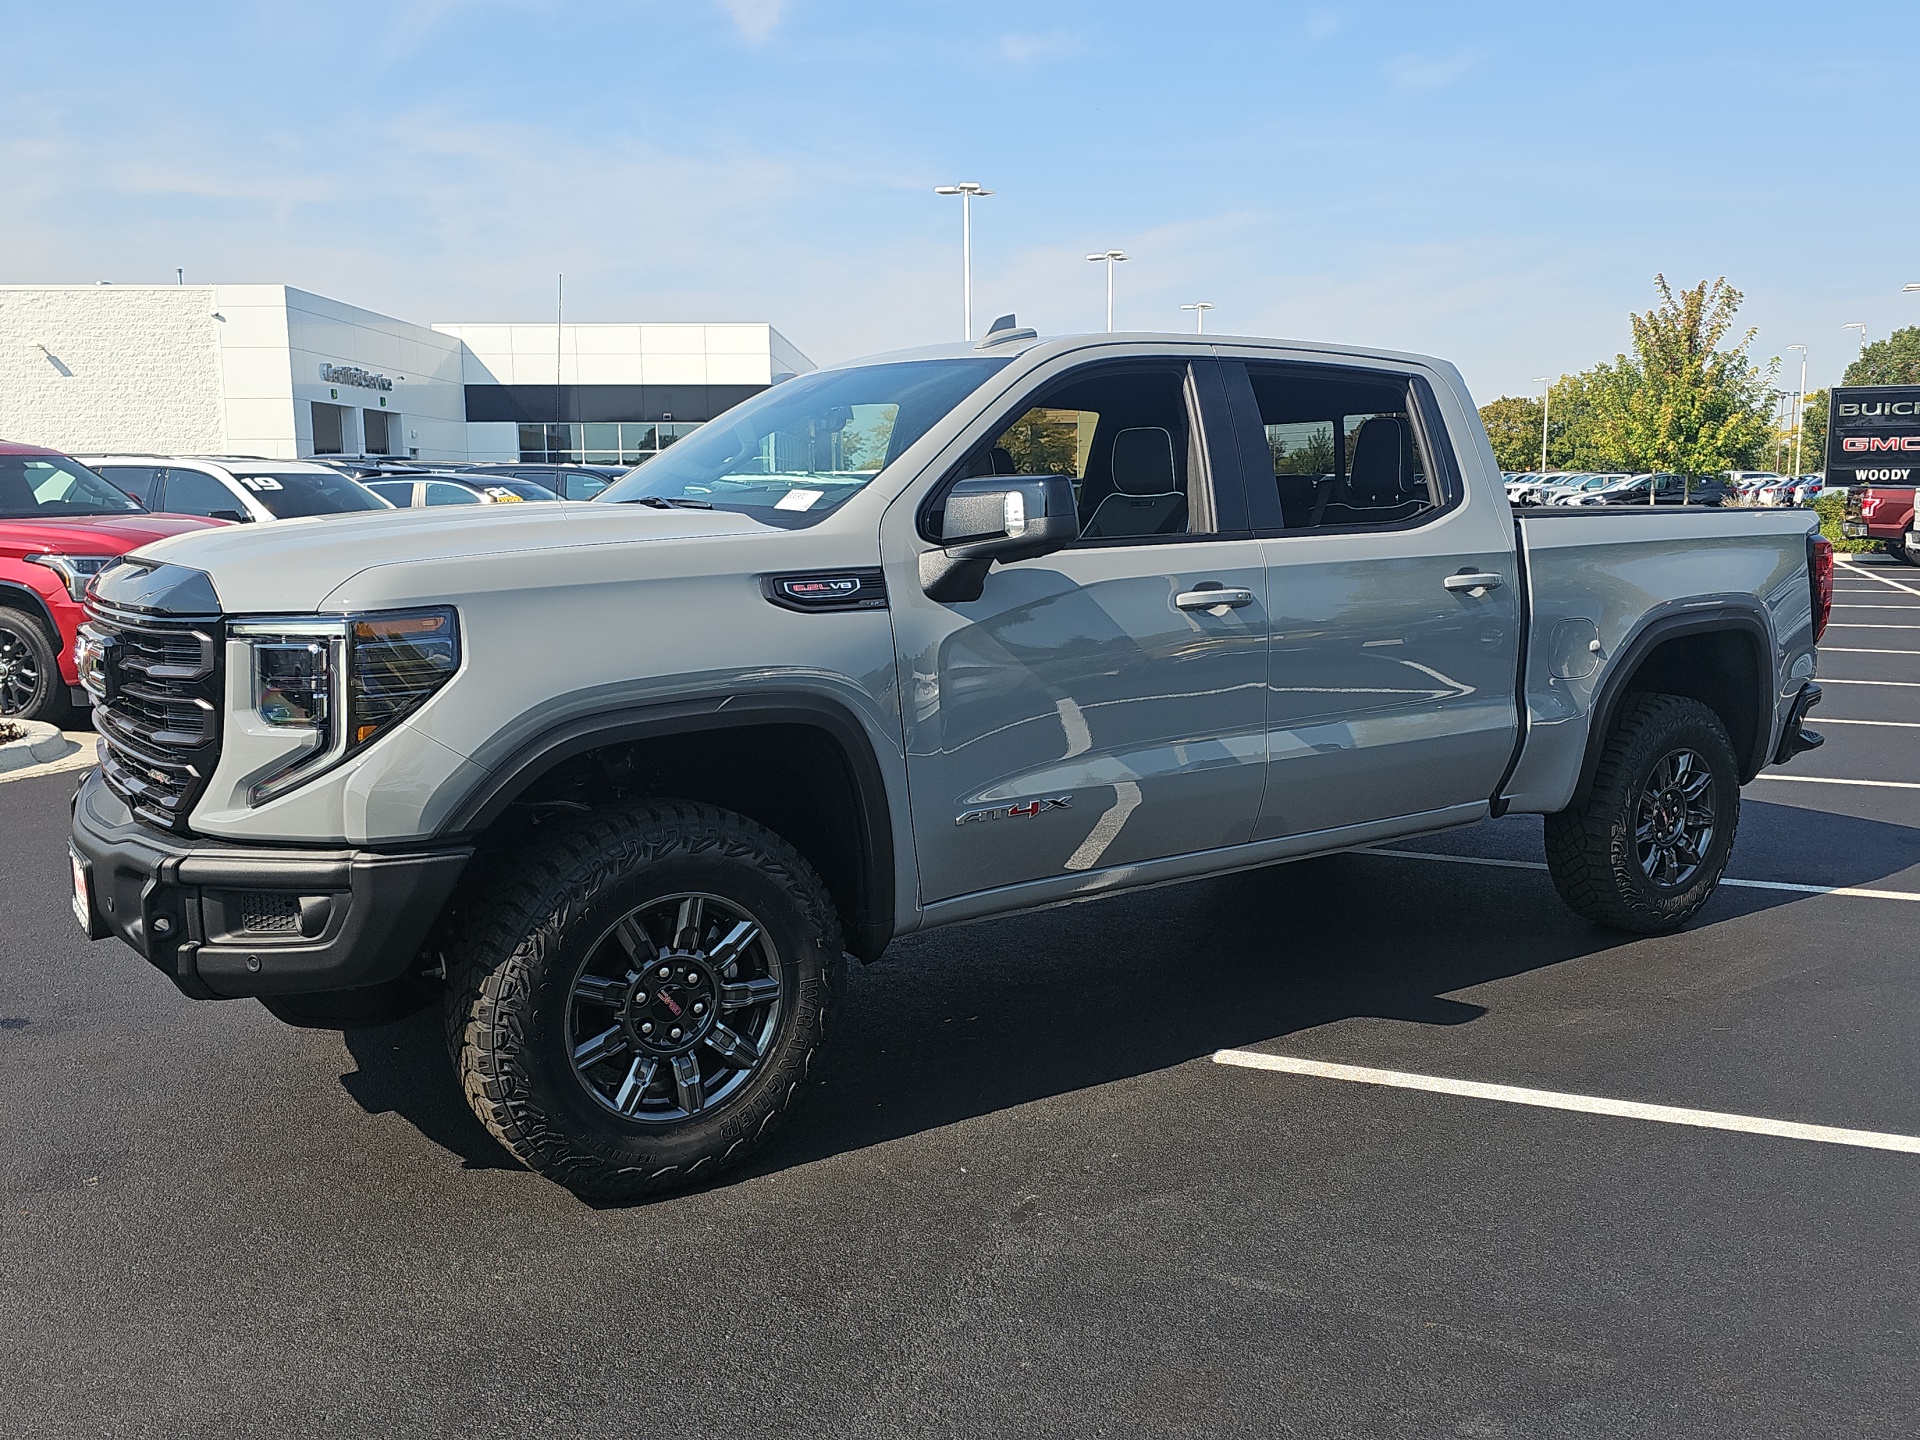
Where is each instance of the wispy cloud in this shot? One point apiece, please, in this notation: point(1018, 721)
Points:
point(1416, 72)
point(1027, 47)
point(1321, 24)
point(754, 19)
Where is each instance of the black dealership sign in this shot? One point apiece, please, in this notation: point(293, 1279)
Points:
point(1873, 435)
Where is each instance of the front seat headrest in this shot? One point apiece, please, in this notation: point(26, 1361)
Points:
point(1143, 462)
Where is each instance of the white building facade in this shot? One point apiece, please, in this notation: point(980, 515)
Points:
point(273, 371)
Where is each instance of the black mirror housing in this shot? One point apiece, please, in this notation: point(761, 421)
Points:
point(997, 517)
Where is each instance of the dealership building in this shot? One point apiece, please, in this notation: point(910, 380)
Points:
point(272, 371)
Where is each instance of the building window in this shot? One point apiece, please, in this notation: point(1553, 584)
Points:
point(627, 443)
point(380, 428)
point(329, 429)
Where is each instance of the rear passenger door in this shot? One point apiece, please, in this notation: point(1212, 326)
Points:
point(194, 492)
point(1391, 683)
point(139, 481)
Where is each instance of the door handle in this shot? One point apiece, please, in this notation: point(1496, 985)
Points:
point(1473, 583)
point(1216, 598)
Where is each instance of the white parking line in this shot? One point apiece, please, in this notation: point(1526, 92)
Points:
point(1889, 606)
point(1846, 568)
point(1829, 780)
point(1852, 892)
point(1890, 724)
point(1581, 1104)
point(1852, 650)
point(1867, 625)
point(1899, 684)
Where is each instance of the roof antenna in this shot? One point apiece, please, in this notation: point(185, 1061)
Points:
point(1005, 329)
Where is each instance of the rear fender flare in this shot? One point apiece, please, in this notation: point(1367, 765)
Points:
point(1740, 615)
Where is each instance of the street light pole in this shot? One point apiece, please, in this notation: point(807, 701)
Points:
point(1199, 308)
point(1546, 409)
point(966, 190)
point(1799, 404)
point(1110, 256)
point(1861, 326)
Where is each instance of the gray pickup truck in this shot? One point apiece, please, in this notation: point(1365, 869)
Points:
point(914, 640)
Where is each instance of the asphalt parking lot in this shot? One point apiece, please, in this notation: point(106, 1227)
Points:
point(1027, 1200)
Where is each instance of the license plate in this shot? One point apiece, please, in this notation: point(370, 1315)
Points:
point(1854, 531)
point(82, 906)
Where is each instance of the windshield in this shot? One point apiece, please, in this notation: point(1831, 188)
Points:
point(43, 487)
point(793, 453)
point(290, 494)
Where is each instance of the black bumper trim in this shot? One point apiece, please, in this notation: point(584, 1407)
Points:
point(183, 904)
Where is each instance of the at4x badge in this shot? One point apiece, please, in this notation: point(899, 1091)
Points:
point(1025, 809)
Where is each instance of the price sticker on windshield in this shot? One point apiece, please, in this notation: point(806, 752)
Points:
point(798, 499)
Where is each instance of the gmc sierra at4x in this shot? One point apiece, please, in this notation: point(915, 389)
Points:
point(944, 634)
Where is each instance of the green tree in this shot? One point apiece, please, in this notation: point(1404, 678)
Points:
point(1681, 402)
point(1892, 361)
point(1813, 433)
point(1513, 425)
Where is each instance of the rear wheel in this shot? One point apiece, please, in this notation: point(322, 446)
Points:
point(1647, 847)
point(644, 1006)
point(30, 683)
point(1907, 547)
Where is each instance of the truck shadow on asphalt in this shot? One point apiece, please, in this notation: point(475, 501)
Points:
point(980, 1018)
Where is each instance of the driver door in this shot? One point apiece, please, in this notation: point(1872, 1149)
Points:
point(1095, 708)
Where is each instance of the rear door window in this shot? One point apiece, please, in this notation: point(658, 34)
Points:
point(400, 492)
point(1346, 448)
point(439, 492)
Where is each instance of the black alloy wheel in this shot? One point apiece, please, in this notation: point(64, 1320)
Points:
point(675, 1008)
point(30, 683)
point(1644, 847)
point(642, 1001)
point(1673, 832)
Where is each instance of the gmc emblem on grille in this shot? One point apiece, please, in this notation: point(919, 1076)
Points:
point(1025, 810)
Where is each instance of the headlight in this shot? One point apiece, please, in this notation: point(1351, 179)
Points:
point(76, 570)
point(345, 682)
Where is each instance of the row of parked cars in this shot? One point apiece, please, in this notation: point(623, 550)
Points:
point(1735, 487)
point(64, 518)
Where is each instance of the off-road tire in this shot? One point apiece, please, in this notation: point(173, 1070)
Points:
point(511, 976)
point(51, 701)
point(1591, 848)
point(355, 1009)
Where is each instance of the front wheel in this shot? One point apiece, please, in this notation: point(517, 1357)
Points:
point(30, 683)
point(1647, 847)
point(644, 1006)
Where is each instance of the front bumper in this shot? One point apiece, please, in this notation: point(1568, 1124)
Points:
point(224, 920)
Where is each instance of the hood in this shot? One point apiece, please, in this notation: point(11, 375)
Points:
point(293, 565)
point(98, 534)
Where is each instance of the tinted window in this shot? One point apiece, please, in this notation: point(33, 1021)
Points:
point(193, 492)
point(290, 494)
point(45, 486)
point(796, 451)
point(399, 492)
point(1343, 447)
point(137, 480)
point(439, 492)
point(1122, 439)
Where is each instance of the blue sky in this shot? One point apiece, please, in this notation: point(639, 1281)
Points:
point(1493, 183)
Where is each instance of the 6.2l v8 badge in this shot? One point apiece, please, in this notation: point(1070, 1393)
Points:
point(1023, 810)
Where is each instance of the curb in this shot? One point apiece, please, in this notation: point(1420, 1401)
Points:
point(41, 743)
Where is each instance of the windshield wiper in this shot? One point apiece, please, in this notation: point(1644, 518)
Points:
point(663, 502)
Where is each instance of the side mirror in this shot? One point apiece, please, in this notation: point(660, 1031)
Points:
point(235, 517)
point(997, 517)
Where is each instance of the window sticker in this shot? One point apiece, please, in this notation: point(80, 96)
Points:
point(798, 500)
point(500, 494)
point(260, 482)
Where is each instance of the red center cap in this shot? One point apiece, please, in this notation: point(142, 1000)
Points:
point(668, 1001)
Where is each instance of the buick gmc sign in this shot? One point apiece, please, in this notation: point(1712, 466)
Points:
point(1873, 435)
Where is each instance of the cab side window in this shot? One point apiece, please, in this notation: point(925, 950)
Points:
point(1344, 448)
point(193, 492)
point(137, 480)
point(1122, 438)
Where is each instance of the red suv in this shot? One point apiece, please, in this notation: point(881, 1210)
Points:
point(60, 524)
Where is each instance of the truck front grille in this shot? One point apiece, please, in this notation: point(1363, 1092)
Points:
point(156, 689)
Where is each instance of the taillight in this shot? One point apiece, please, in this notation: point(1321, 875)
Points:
point(1820, 578)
